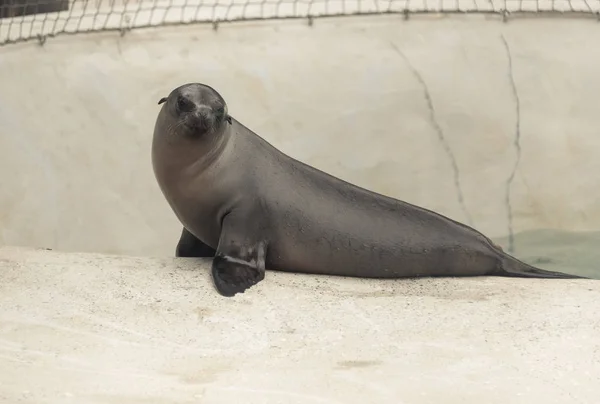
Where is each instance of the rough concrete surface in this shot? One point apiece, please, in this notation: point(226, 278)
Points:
point(493, 124)
point(88, 328)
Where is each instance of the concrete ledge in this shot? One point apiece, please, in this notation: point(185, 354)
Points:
point(88, 328)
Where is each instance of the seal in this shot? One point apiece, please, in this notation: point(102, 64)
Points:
point(251, 207)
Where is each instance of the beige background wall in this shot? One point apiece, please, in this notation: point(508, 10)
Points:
point(349, 96)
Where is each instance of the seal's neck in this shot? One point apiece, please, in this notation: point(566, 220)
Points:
point(175, 160)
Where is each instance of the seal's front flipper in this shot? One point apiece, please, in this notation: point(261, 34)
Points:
point(232, 275)
point(190, 246)
point(239, 262)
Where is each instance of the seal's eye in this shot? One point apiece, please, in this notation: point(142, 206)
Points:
point(184, 104)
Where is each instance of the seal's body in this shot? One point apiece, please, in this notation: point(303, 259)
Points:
point(252, 207)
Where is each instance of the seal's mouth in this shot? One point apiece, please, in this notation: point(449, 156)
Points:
point(199, 124)
point(204, 119)
point(198, 119)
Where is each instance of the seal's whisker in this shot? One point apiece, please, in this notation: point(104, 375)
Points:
point(171, 129)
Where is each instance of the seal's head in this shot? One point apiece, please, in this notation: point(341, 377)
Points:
point(192, 128)
point(194, 111)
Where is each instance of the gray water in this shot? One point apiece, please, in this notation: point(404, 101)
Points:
point(574, 253)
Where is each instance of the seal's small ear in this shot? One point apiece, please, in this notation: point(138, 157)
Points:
point(228, 119)
point(163, 99)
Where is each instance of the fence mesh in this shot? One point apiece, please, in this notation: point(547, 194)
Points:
point(23, 20)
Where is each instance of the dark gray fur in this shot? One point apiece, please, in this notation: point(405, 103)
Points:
point(252, 207)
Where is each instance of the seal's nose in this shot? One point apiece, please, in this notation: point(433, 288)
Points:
point(203, 113)
point(201, 118)
point(184, 104)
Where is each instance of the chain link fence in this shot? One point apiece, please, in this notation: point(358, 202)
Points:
point(25, 20)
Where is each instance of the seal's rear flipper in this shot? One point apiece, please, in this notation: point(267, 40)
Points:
point(540, 273)
point(512, 267)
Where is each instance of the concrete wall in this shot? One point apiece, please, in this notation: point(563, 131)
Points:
point(435, 111)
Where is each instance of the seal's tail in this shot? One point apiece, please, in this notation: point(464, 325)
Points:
point(512, 267)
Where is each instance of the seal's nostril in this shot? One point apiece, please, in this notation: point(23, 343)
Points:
point(184, 104)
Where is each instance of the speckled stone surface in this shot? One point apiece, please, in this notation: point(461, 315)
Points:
point(90, 328)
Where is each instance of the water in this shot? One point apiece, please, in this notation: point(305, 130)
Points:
point(574, 253)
